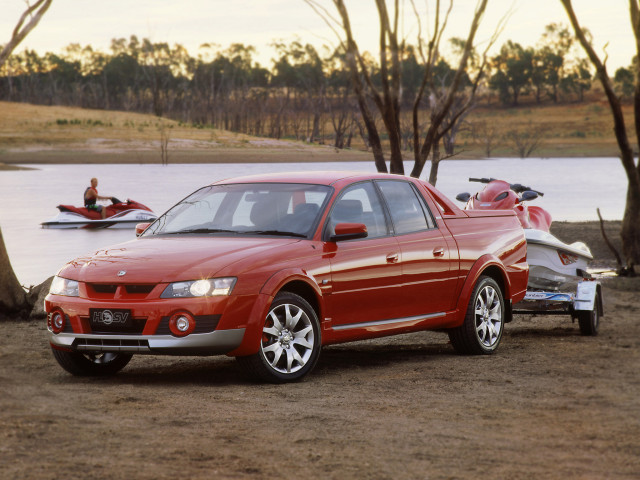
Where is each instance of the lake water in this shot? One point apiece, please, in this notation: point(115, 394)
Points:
point(573, 189)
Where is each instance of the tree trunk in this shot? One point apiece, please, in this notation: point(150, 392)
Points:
point(435, 163)
point(630, 232)
point(13, 298)
point(315, 132)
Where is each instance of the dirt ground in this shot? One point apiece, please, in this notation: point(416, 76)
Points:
point(550, 404)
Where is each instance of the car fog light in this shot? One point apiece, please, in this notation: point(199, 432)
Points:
point(56, 322)
point(182, 324)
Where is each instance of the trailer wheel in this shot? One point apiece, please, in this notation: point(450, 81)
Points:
point(589, 321)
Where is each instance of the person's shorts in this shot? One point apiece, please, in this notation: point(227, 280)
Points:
point(97, 208)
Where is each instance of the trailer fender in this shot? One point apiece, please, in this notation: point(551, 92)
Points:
point(586, 295)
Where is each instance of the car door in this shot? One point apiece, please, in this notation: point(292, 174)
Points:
point(365, 273)
point(429, 282)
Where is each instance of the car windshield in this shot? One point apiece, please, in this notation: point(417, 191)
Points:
point(282, 209)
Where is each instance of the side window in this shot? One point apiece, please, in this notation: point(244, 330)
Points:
point(360, 204)
point(408, 213)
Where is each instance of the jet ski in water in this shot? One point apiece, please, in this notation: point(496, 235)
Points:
point(119, 215)
point(552, 263)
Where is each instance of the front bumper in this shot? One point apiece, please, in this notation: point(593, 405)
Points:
point(218, 342)
point(221, 323)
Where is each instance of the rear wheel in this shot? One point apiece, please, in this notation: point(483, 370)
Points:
point(481, 332)
point(589, 321)
point(290, 342)
point(91, 364)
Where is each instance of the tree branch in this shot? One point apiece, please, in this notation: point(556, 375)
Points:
point(22, 30)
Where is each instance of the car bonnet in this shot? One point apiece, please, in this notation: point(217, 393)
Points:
point(168, 259)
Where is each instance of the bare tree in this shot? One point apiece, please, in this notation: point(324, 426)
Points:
point(485, 134)
point(386, 96)
point(525, 141)
point(13, 298)
point(630, 231)
point(439, 125)
point(164, 144)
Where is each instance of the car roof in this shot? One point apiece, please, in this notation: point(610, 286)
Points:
point(319, 178)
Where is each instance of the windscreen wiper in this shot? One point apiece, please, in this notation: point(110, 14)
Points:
point(275, 232)
point(201, 230)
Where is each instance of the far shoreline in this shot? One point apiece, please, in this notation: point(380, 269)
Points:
point(22, 160)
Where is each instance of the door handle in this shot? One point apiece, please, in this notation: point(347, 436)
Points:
point(392, 258)
point(438, 252)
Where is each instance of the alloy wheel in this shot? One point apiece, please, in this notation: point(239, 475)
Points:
point(488, 316)
point(288, 338)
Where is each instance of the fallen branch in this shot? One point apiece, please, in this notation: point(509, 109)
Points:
point(620, 270)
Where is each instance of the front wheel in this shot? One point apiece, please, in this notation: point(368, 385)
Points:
point(91, 364)
point(290, 342)
point(481, 332)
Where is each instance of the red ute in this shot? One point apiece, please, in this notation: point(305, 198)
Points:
point(270, 268)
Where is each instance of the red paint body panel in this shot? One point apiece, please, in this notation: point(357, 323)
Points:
point(361, 288)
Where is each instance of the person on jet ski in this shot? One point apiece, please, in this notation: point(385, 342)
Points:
point(91, 196)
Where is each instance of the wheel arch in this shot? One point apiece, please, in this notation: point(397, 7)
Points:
point(295, 281)
point(291, 280)
point(490, 266)
point(304, 290)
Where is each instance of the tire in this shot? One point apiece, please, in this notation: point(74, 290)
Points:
point(589, 321)
point(481, 332)
point(290, 343)
point(91, 364)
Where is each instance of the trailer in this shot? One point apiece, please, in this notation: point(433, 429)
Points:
point(585, 304)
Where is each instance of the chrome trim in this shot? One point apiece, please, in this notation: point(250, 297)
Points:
point(393, 321)
point(213, 343)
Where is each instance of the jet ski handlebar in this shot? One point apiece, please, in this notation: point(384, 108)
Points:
point(516, 187)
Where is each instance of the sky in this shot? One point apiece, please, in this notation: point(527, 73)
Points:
point(261, 22)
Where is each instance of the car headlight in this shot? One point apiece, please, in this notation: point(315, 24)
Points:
point(200, 288)
point(64, 286)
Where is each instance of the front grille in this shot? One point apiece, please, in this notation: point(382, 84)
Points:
point(106, 291)
point(102, 288)
point(139, 289)
point(110, 345)
point(134, 327)
point(67, 325)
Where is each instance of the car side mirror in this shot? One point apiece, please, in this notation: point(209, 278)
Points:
point(463, 197)
point(141, 227)
point(349, 231)
point(528, 195)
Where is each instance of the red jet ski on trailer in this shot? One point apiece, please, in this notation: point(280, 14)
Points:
point(554, 266)
point(119, 215)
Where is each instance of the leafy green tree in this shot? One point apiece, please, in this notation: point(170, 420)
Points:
point(556, 43)
point(300, 69)
point(624, 82)
point(578, 79)
point(513, 68)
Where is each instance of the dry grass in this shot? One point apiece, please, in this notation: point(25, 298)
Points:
point(53, 134)
point(581, 129)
